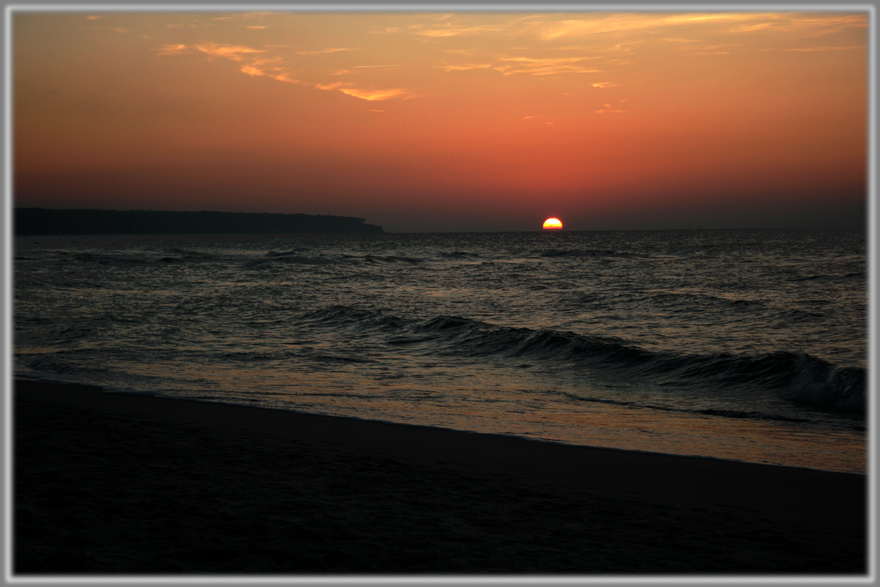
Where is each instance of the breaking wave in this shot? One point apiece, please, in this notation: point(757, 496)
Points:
point(792, 376)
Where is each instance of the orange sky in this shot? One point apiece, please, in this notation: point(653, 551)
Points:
point(462, 121)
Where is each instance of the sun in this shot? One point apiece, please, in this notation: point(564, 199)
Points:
point(552, 224)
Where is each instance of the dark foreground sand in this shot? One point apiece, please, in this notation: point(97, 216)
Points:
point(134, 485)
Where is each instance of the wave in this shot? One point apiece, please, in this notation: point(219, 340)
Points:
point(291, 257)
point(830, 277)
point(794, 376)
point(737, 414)
point(345, 316)
point(688, 299)
point(123, 260)
point(589, 253)
point(173, 255)
point(389, 259)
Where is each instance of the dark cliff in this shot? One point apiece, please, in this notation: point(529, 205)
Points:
point(42, 221)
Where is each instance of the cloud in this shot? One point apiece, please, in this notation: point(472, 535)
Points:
point(244, 15)
point(178, 49)
point(255, 26)
point(284, 77)
point(333, 86)
point(376, 95)
point(252, 71)
point(454, 31)
point(363, 94)
point(727, 22)
point(583, 27)
point(233, 52)
point(752, 27)
point(604, 85)
point(256, 63)
point(809, 26)
point(609, 110)
point(388, 31)
point(254, 67)
point(544, 66)
point(464, 66)
point(812, 49)
point(330, 50)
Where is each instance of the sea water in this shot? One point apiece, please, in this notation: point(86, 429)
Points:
point(737, 344)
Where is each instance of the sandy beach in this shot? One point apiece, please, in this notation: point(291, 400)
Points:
point(134, 485)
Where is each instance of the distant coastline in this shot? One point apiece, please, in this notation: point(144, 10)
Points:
point(45, 221)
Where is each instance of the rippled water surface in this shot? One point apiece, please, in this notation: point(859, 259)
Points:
point(748, 345)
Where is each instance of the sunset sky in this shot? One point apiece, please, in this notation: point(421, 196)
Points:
point(447, 122)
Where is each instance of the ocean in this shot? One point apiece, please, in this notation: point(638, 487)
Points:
point(748, 345)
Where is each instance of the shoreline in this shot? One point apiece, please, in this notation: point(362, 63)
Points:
point(629, 512)
point(110, 390)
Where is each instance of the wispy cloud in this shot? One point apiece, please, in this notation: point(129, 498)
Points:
point(371, 95)
point(609, 110)
point(813, 49)
point(284, 77)
point(377, 95)
point(453, 31)
point(726, 22)
point(604, 85)
point(177, 49)
point(330, 50)
point(233, 52)
point(749, 28)
point(243, 16)
point(333, 86)
point(256, 64)
point(374, 66)
point(281, 74)
point(582, 27)
point(464, 66)
point(387, 31)
point(252, 71)
point(544, 65)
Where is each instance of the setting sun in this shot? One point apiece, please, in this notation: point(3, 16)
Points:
point(552, 224)
point(620, 120)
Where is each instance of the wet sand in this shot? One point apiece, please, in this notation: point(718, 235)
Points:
point(133, 485)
